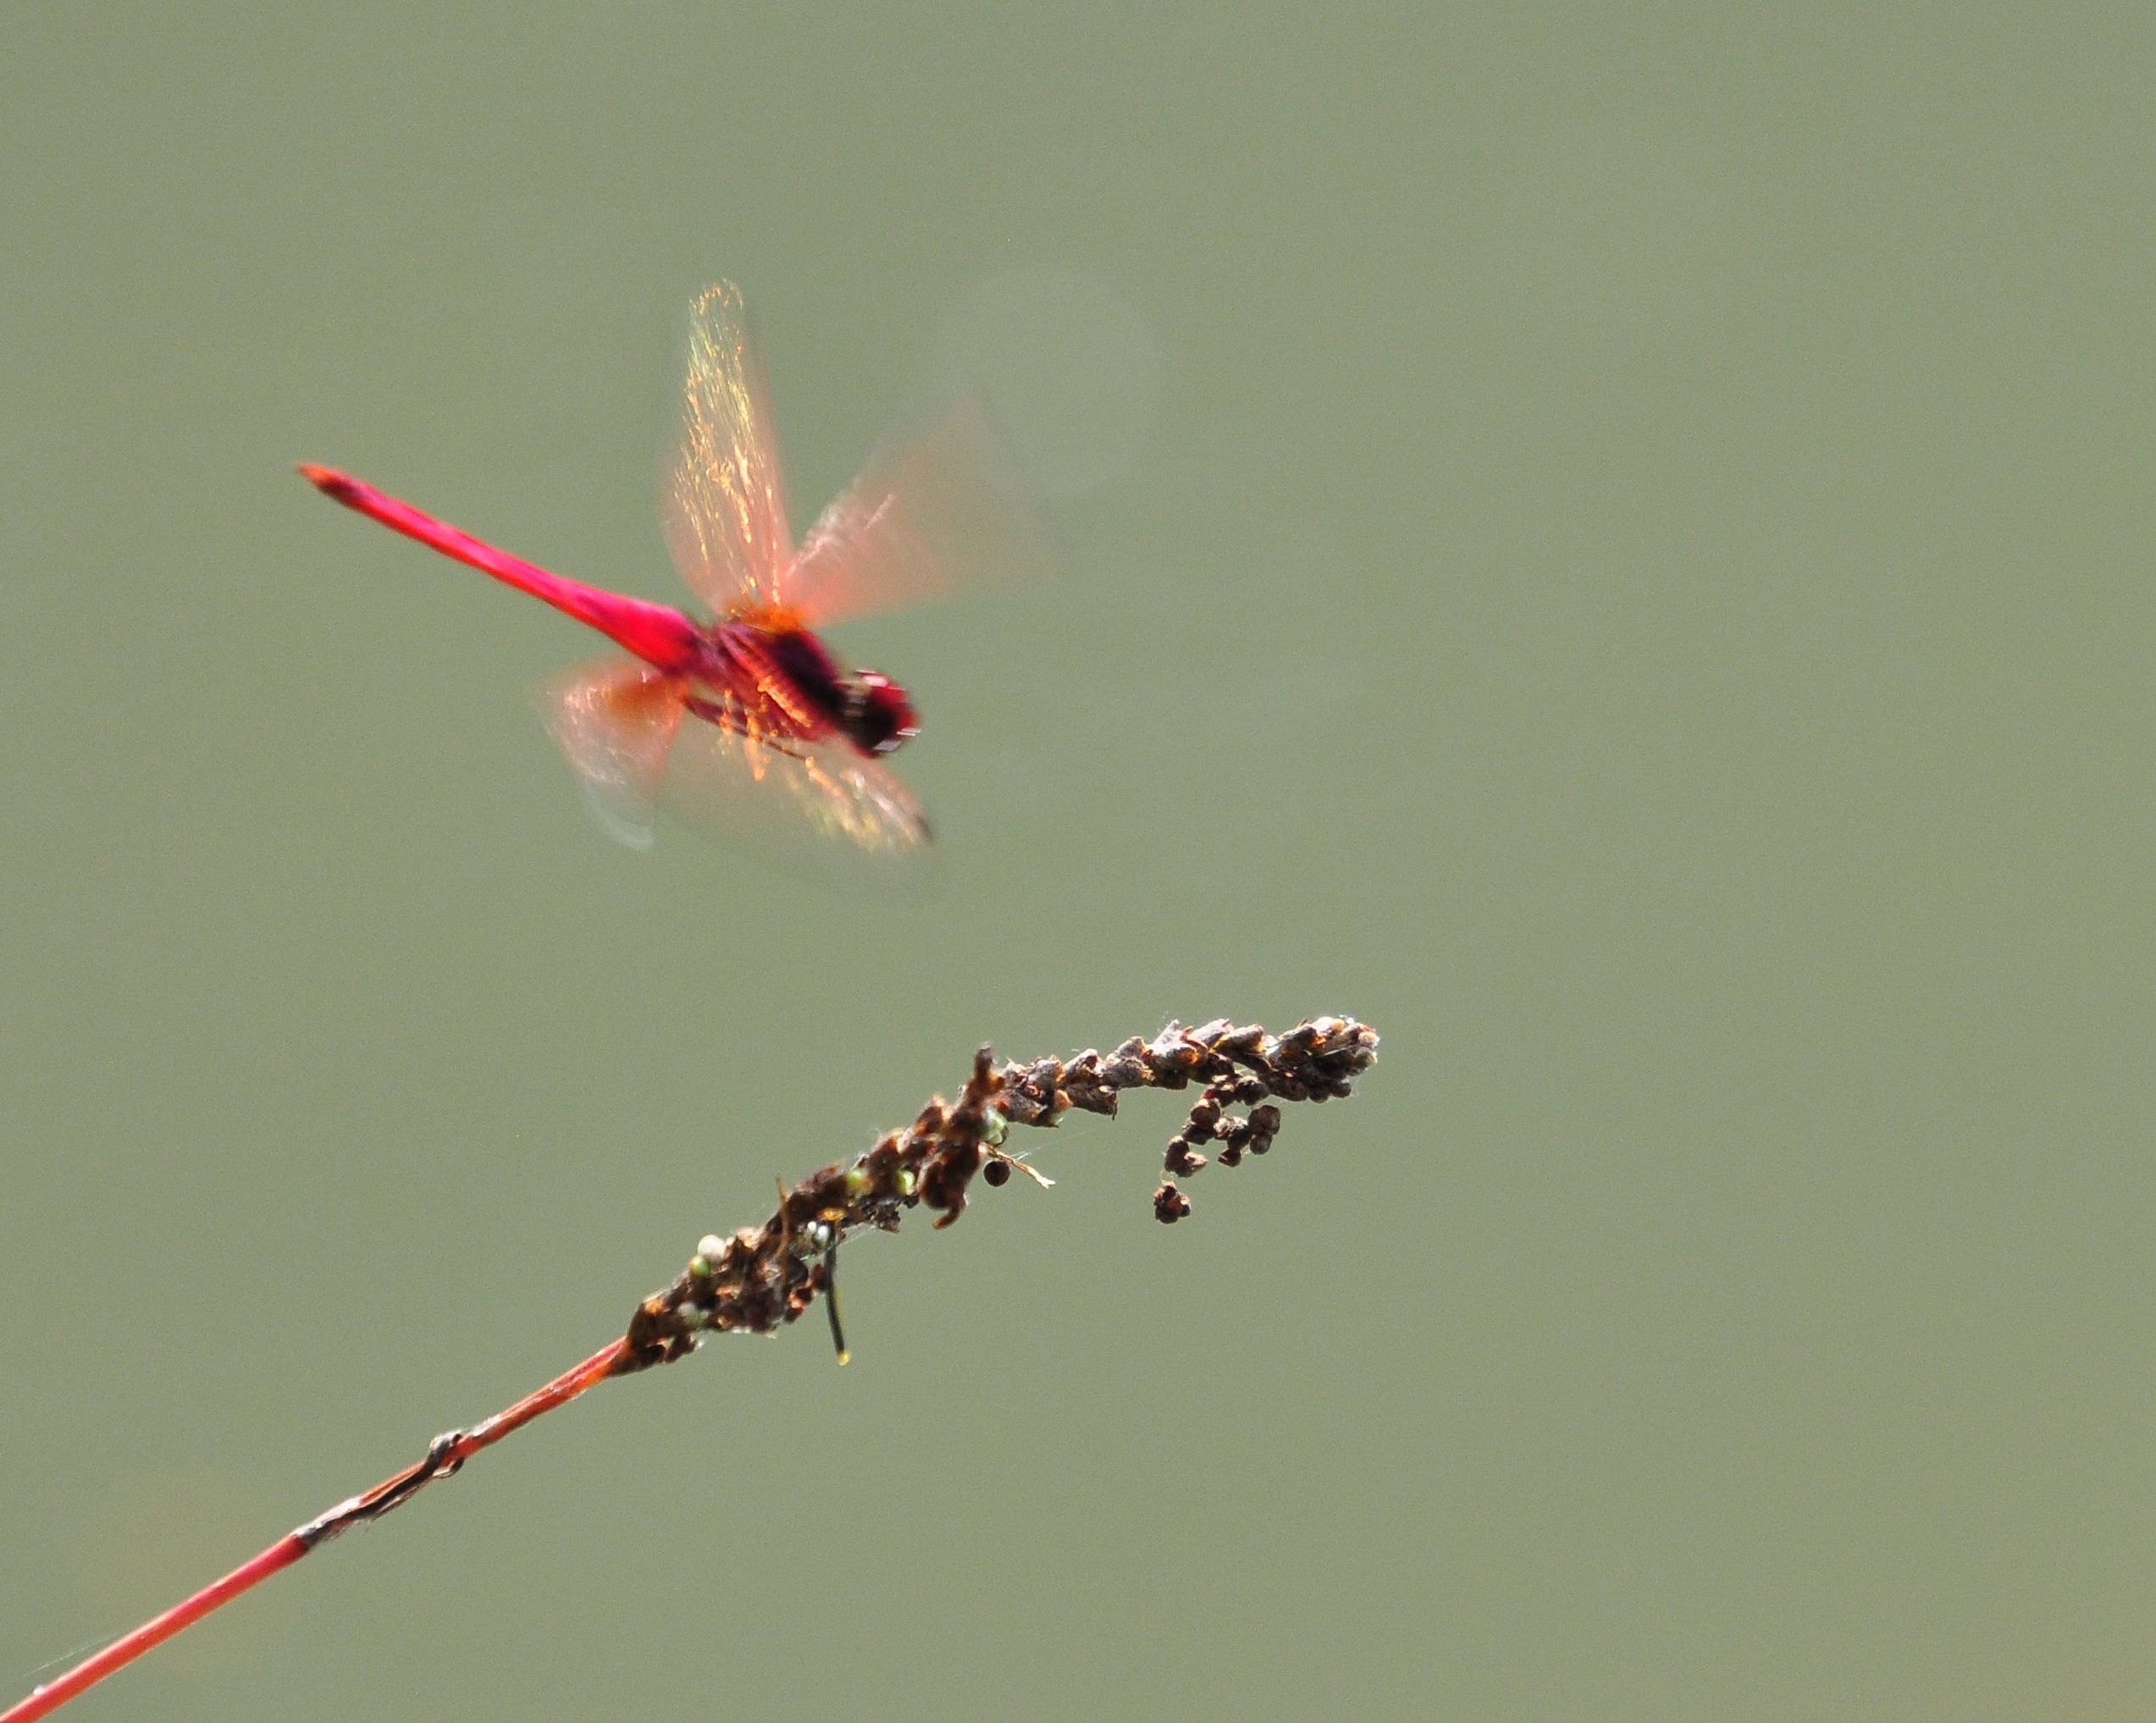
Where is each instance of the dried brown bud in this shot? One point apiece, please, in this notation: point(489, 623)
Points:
point(1125, 1068)
point(1087, 1085)
point(1182, 1161)
point(1170, 1205)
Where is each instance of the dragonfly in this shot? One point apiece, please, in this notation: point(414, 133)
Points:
point(746, 725)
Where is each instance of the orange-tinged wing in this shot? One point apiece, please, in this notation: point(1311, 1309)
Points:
point(814, 808)
point(929, 516)
point(726, 495)
point(615, 721)
point(636, 744)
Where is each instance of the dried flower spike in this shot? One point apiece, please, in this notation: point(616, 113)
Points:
point(764, 1277)
point(759, 1279)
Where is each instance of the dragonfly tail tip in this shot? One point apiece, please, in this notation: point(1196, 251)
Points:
point(326, 479)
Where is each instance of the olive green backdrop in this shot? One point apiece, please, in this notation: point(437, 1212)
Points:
point(1639, 586)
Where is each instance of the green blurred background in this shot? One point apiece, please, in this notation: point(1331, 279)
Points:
point(1639, 587)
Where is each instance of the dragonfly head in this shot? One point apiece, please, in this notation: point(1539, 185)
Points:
point(879, 716)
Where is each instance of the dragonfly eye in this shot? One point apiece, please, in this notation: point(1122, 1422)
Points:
point(880, 717)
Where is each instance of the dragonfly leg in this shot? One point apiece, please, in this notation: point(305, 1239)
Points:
point(730, 713)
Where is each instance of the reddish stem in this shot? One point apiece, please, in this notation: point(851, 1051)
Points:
point(444, 1456)
point(125, 1650)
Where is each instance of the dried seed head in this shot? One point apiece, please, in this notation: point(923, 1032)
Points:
point(762, 1278)
point(1182, 1159)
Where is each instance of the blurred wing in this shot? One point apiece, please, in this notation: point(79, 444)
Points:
point(615, 720)
point(809, 807)
point(725, 499)
point(929, 517)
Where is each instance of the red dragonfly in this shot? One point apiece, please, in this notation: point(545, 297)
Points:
point(708, 719)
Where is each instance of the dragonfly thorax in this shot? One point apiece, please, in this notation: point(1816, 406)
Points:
point(792, 669)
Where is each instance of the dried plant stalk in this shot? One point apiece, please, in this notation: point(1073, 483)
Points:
point(763, 1278)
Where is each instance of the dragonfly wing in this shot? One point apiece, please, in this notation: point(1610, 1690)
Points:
point(930, 515)
point(615, 721)
point(815, 808)
point(638, 745)
point(725, 495)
